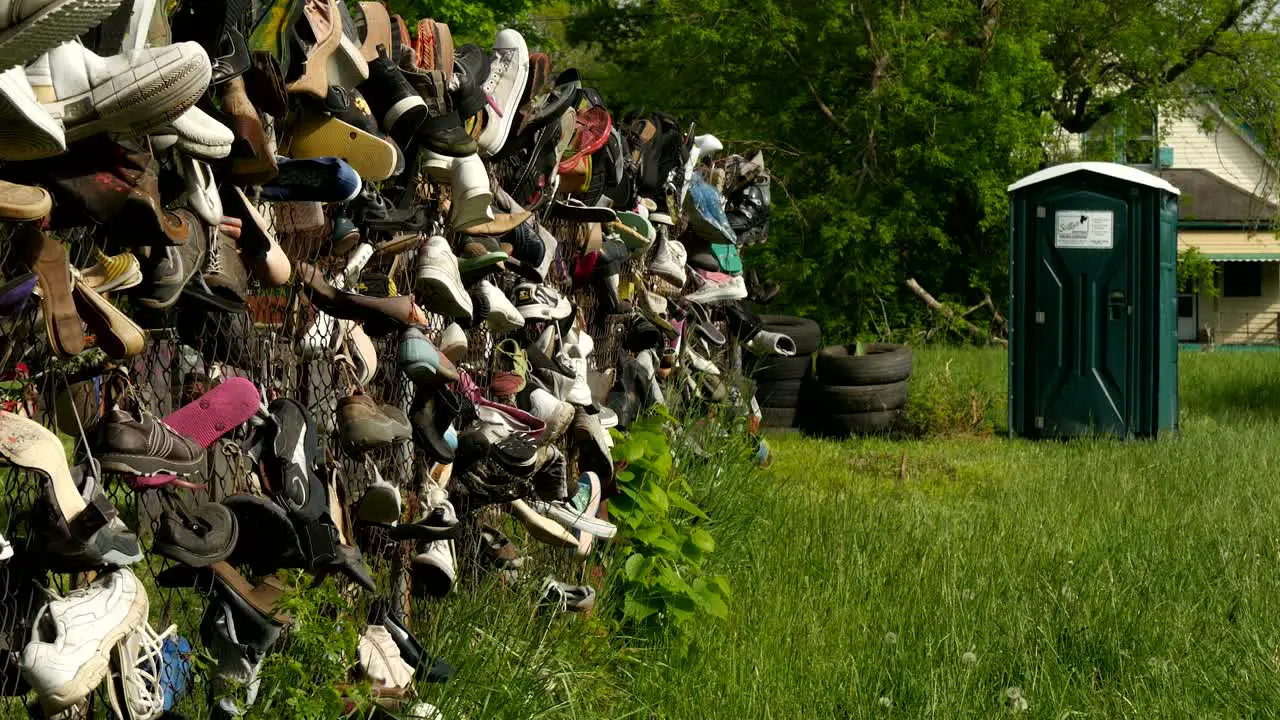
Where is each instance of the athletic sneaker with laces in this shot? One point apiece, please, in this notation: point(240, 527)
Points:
point(438, 284)
point(72, 637)
point(130, 93)
point(143, 445)
point(669, 258)
point(508, 75)
point(435, 569)
point(574, 516)
point(568, 598)
point(718, 288)
point(541, 302)
point(502, 317)
point(135, 689)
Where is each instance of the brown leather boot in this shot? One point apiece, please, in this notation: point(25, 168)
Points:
point(143, 218)
point(252, 162)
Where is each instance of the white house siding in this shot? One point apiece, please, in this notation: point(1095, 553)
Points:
point(1222, 151)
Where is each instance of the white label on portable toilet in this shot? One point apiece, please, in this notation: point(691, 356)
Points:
point(1084, 229)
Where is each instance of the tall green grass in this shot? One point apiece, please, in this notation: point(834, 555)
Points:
point(931, 577)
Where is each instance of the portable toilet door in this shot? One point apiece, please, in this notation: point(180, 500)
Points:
point(1078, 231)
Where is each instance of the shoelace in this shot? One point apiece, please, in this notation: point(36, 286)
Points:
point(144, 678)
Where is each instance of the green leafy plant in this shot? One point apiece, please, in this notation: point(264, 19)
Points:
point(1197, 273)
point(664, 582)
point(310, 679)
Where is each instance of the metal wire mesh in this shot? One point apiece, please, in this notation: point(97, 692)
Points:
point(189, 348)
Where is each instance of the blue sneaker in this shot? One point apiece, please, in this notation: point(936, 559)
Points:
point(175, 679)
point(323, 179)
point(421, 362)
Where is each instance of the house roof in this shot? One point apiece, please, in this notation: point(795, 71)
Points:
point(1122, 172)
point(1207, 198)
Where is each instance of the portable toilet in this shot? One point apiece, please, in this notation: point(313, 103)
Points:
point(1093, 332)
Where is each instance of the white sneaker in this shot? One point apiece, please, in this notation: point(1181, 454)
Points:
point(31, 27)
point(551, 244)
point(135, 689)
point(556, 413)
point(712, 292)
point(6, 548)
point(380, 659)
point(438, 285)
point(542, 528)
point(129, 94)
point(470, 196)
point(648, 362)
point(200, 135)
point(699, 363)
point(453, 343)
point(436, 561)
point(202, 189)
point(668, 262)
point(508, 74)
point(541, 302)
point(574, 518)
point(771, 343)
point(72, 637)
point(503, 316)
point(580, 392)
point(27, 130)
point(381, 503)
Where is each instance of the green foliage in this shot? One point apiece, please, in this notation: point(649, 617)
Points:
point(1197, 273)
point(471, 21)
point(892, 130)
point(302, 681)
point(663, 582)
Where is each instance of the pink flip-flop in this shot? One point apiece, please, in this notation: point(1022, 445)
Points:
point(204, 420)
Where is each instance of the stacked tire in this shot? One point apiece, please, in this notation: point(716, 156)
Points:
point(855, 394)
point(781, 381)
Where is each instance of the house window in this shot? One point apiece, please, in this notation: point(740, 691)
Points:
point(1242, 279)
point(1127, 137)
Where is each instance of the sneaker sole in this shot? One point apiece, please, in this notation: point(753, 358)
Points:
point(440, 295)
point(91, 674)
point(158, 98)
point(29, 132)
point(147, 465)
point(50, 27)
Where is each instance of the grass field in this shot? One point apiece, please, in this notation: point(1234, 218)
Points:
point(938, 577)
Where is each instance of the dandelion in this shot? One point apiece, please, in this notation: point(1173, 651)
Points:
point(891, 638)
point(885, 702)
point(1017, 703)
point(969, 658)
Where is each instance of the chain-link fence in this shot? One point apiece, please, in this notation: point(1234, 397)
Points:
point(190, 349)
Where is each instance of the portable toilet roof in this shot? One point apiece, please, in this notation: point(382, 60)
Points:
point(1122, 172)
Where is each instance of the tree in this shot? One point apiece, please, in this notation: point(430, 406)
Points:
point(894, 127)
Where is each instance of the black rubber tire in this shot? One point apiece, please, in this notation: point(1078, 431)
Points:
point(772, 368)
point(806, 333)
point(777, 417)
point(779, 394)
point(882, 364)
point(842, 399)
point(852, 424)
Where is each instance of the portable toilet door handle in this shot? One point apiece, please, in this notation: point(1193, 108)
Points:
point(1119, 309)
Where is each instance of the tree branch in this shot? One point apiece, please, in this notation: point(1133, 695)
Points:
point(1086, 116)
point(950, 314)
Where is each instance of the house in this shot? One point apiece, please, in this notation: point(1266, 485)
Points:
point(1229, 210)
